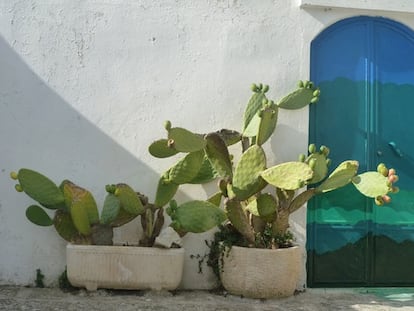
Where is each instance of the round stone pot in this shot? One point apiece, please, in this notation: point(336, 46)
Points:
point(261, 273)
point(124, 267)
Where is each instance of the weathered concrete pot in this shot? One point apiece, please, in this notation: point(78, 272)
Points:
point(261, 273)
point(124, 267)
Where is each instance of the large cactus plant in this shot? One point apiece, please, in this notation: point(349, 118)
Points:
point(256, 199)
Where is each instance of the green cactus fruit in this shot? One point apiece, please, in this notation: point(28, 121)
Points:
point(302, 157)
point(289, 175)
point(267, 124)
point(264, 206)
point(110, 209)
point(254, 105)
point(83, 199)
point(319, 166)
point(40, 188)
point(215, 198)
point(187, 168)
point(324, 150)
point(38, 216)
point(312, 148)
point(254, 88)
point(14, 175)
point(301, 199)
point(66, 229)
point(185, 141)
point(218, 154)
point(300, 84)
point(265, 88)
point(371, 184)
point(166, 190)
point(205, 174)
point(238, 219)
point(230, 137)
point(246, 179)
point(18, 188)
point(340, 177)
point(160, 149)
point(129, 199)
point(196, 216)
point(167, 125)
point(299, 98)
point(382, 169)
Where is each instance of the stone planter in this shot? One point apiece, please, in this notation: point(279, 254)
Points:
point(124, 267)
point(261, 273)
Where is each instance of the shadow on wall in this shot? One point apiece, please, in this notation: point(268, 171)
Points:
point(40, 130)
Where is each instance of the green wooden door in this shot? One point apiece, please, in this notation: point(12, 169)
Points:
point(365, 69)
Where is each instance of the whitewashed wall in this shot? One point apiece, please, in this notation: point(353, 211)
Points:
point(86, 85)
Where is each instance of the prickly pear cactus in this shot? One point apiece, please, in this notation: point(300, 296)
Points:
point(288, 176)
point(255, 103)
point(238, 218)
point(205, 174)
point(38, 216)
point(218, 154)
point(162, 149)
point(129, 199)
point(110, 209)
point(264, 206)
point(303, 96)
point(318, 161)
point(183, 140)
point(340, 177)
point(185, 170)
point(39, 188)
point(246, 179)
point(195, 216)
point(166, 190)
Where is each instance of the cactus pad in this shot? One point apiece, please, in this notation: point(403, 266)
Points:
point(205, 174)
point(40, 188)
point(66, 229)
point(38, 216)
point(166, 190)
point(161, 149)
point(110, 209)
point(238, 218)
point(129, 199)
point(264, 206)
point(301, 199)
point(185, 141)
point(289, 175)
point(230, 137)
point(319, 166)
point(340, 177)
point(218, 154)
point(300, 98)
point(268, 120)
point(371, 184)
point(195, 216)
point(187, 168)
point(246, 179)
point(255, 104)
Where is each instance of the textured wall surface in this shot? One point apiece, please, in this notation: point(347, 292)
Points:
point(85, 86)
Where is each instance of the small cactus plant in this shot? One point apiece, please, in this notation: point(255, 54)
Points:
point(250, 207)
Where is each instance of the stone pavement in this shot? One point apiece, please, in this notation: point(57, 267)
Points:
point(48, 299)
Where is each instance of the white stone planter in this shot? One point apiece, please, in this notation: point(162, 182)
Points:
point(124, 267)
point(261, 273)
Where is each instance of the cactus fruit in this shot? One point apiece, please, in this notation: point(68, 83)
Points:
point(289, 175)
point(185, 141)
point(301, 97)
point(40, 188)
point(319, 163)
point(246, 179)
point(161, 149)
point(38, 216)
point(218, 154)
point(195, 216)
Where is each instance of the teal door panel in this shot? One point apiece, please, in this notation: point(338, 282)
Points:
point(365, 69)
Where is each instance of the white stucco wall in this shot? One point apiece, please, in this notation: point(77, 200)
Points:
point(86, 85)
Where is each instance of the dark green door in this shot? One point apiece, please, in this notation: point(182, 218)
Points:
point(365, 69)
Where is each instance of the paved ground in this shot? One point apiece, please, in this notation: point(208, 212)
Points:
point(48, 299)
